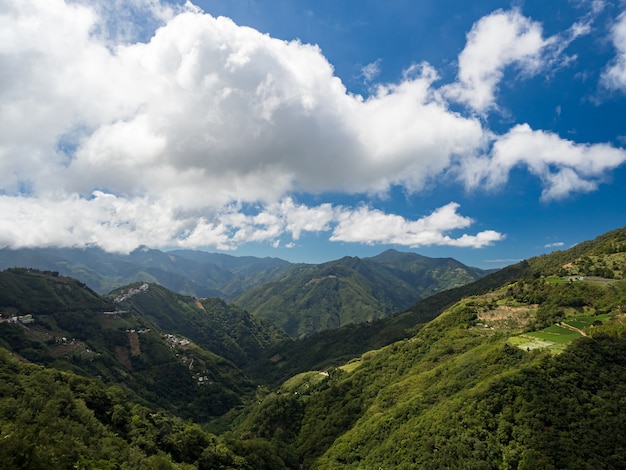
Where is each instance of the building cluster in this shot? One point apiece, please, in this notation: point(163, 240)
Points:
point(202, 379)
point(175, 340)
point(25, 319)
point(131, 292)
point(140, 331)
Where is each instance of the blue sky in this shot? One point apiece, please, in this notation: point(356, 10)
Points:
point(308, 130)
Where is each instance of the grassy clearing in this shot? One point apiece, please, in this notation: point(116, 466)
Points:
point(303, 381)
point(585, 322)
point(556, 337)
point(350, 366)
point(528, 343)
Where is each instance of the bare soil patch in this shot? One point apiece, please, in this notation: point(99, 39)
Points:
point(122, 355)
point(506, 317)
point(133, 339)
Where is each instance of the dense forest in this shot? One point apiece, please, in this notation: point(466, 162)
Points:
point(524, 368)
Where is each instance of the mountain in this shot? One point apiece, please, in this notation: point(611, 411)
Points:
point(58, 420)
point(299, 298)
point(524, 373)
point(472, 365)
point(332, 347)
point(58, 322)
point(209, 322)
point(523, 368)
point(188, 272)
point(311, 298)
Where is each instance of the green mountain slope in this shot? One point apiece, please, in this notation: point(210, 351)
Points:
point(333, 347)
point(60, 420)
point(211, 323)
point(522, 369)
point(58, 322)
point(312, 298)
point(527, 374)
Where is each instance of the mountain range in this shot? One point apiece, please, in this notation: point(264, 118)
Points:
point(523, 368)
point(299, 298)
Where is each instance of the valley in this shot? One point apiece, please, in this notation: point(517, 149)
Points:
point(519, 368)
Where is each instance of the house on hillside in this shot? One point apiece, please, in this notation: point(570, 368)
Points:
point(25, 319)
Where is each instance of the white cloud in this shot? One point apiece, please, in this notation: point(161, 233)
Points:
point(371, 226)
point(207, 104)
point(115, 224)
point(554, 245)
point(123, 224)
point(507, 39)
point(205, 108)
point(496, 41)
point(119, 135)
point(614, 76)
point(563, 166)
point(371, 70)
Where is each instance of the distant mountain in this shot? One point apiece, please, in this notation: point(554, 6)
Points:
point(299, 298)
point(604, 255)
point(188, 272)
point(330, 348)
point(311, 298)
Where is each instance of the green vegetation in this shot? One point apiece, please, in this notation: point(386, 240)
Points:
point(211, 323)
point(187, 272)
point(308, 299)
point(58, 420)
point(332, 348)
point(76, 330)
point(524, 368)
point(556, 334)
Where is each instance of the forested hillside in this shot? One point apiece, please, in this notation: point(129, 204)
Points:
point(522, 369)
point(464, 389)
point(308, 299)
point(300, 299)
point(526, 374)
point(58, 322)
point(59, 420)
point(210, 322)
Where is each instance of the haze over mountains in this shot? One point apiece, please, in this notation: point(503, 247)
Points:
point(523, 368)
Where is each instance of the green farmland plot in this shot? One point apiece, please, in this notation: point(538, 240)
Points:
point(586, 322)
point(555, 334)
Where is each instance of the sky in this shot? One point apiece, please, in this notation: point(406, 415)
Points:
point(488, 131)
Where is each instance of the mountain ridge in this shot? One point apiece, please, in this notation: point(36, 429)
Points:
point(312, 298)
point(299, 298)
point(486, 375)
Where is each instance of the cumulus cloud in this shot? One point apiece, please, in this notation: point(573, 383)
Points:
point(372, 226)
point(496, 41)
point(118, 135)
point(614, 77)
point(563, 166)
point(501, 40)
point(207, 104)
point(122, 224)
